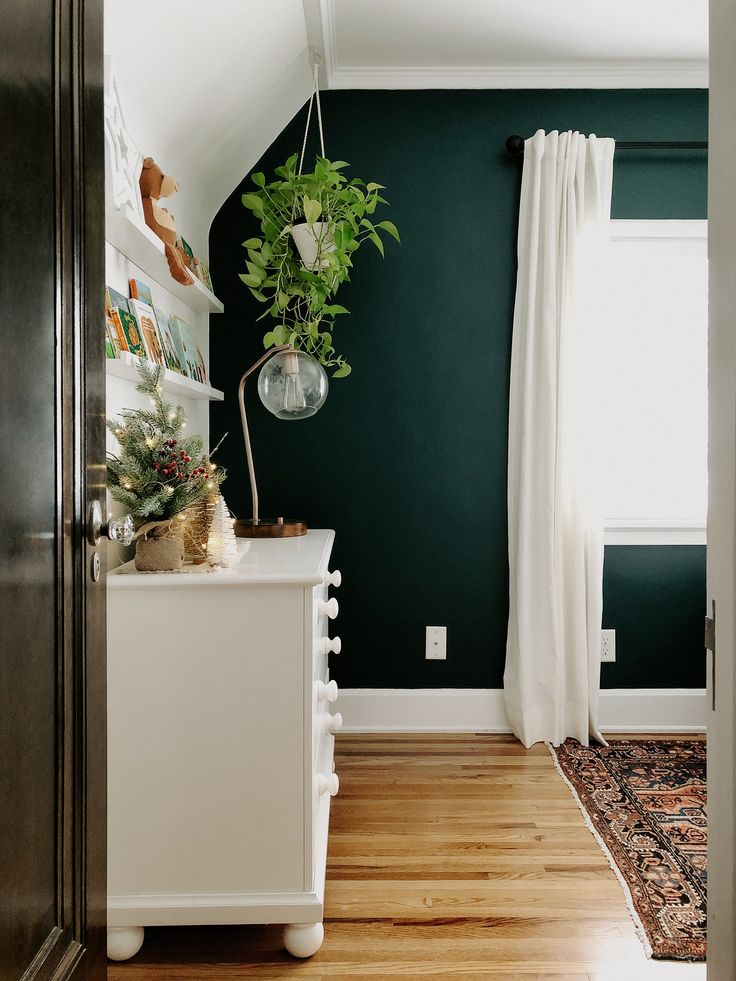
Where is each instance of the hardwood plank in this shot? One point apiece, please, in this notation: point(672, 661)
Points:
point(455, 857)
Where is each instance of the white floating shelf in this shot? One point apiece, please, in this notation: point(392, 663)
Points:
point(129, 235)
point(126, 366)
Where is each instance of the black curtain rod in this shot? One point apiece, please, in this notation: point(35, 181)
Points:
point(515, 145)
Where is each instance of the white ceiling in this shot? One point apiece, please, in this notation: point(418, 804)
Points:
point(510, 43)
point(206, 87)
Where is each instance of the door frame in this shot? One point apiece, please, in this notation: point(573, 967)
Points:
point(722, 494)
point(80, 475)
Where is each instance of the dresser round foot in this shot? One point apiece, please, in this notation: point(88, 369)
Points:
point(303, 939)
point(124, 942)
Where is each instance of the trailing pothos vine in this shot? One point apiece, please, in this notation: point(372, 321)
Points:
point(300, 296)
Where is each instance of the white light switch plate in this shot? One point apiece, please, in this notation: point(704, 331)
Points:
point(436, 644)
point(608, 645)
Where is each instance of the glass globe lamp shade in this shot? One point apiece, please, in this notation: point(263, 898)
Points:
point(292, 385)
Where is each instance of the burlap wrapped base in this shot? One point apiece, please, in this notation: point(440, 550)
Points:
point(159, 546)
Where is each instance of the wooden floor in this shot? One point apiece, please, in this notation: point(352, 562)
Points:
point(453, 856)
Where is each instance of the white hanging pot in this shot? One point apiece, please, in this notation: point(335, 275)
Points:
point(310, 240)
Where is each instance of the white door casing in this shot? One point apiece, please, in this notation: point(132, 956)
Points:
point(722, 490)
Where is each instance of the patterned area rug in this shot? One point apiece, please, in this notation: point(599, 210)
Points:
point(645, 801)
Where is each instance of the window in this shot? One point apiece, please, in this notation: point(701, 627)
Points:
point(654, 375)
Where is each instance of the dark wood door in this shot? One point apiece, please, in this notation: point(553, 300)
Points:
point(52, 615)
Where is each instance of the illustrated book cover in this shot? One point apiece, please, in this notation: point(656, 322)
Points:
point(148, 328)
point(167, 339)
point(133, 339)
point(140, 291)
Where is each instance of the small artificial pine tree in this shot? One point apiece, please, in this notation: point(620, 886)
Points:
point(222, 548)
point(158, 472)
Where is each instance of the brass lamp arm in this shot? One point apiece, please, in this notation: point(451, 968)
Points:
point(244, 420)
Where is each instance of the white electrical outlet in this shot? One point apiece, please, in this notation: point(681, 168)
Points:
point(436, 645)
point(608, 645)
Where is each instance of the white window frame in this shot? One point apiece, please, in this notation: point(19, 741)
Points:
point(655, 532)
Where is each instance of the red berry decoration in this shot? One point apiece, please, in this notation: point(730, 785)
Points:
point(187, 459)
point(165, 471)
point(182, 455)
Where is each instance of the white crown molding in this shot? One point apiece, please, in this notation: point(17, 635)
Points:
point(321, 35)
point(482, 710)
point(635, 75)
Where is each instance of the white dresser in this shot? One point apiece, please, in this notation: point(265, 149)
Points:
point(221, 744)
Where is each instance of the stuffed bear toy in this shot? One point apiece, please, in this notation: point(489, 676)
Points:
point(155, 184)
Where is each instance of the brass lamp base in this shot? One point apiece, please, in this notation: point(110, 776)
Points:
point(269, 528)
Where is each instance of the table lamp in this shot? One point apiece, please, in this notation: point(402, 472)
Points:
point(291, 385)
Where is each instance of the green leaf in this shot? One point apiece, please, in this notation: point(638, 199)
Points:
point(312, 210)
point(282, 299)
point(252, 243)
point(250, 280)
point(334, 309)
point(338, 164)
point(376, 239)
point(257, 258)
point(372, 186)
point(268, 339)
point(252, 202)
point(280, 334)
point(391, 229)
point(343, 371)
point(260, 181)
point(258, 274)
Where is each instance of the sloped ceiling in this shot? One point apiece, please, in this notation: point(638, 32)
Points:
point(206, 87)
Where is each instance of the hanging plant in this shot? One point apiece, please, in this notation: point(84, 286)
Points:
point(312, 225)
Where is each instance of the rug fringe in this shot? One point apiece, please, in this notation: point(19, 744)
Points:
point(638, 925)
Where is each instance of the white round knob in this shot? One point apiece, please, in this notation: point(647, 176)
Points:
point(332, 723)
point(327, 692)
point(328, 784)
point(331, 646)
point(328, 608)
point(333, 579)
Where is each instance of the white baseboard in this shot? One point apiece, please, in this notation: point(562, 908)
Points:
point(482, 710)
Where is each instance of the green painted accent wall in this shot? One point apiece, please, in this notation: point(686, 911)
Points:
point(407, 459)
point(654, 597)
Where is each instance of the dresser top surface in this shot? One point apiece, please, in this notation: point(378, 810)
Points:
point(300, 561)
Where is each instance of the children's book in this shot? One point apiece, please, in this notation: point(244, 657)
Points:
point(117, 329)
point(116, 299)
point(146, 318)
point(167, 339)
point(203, 273)
point(132, 335)
point(189, 355)
point(140, 291)
point(110, 350)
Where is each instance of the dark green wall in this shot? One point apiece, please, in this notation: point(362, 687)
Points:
point(407, 459)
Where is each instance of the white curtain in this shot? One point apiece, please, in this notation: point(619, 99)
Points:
point(552, 674)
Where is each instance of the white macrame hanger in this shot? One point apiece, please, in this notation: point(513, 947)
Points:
point(315, 60)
